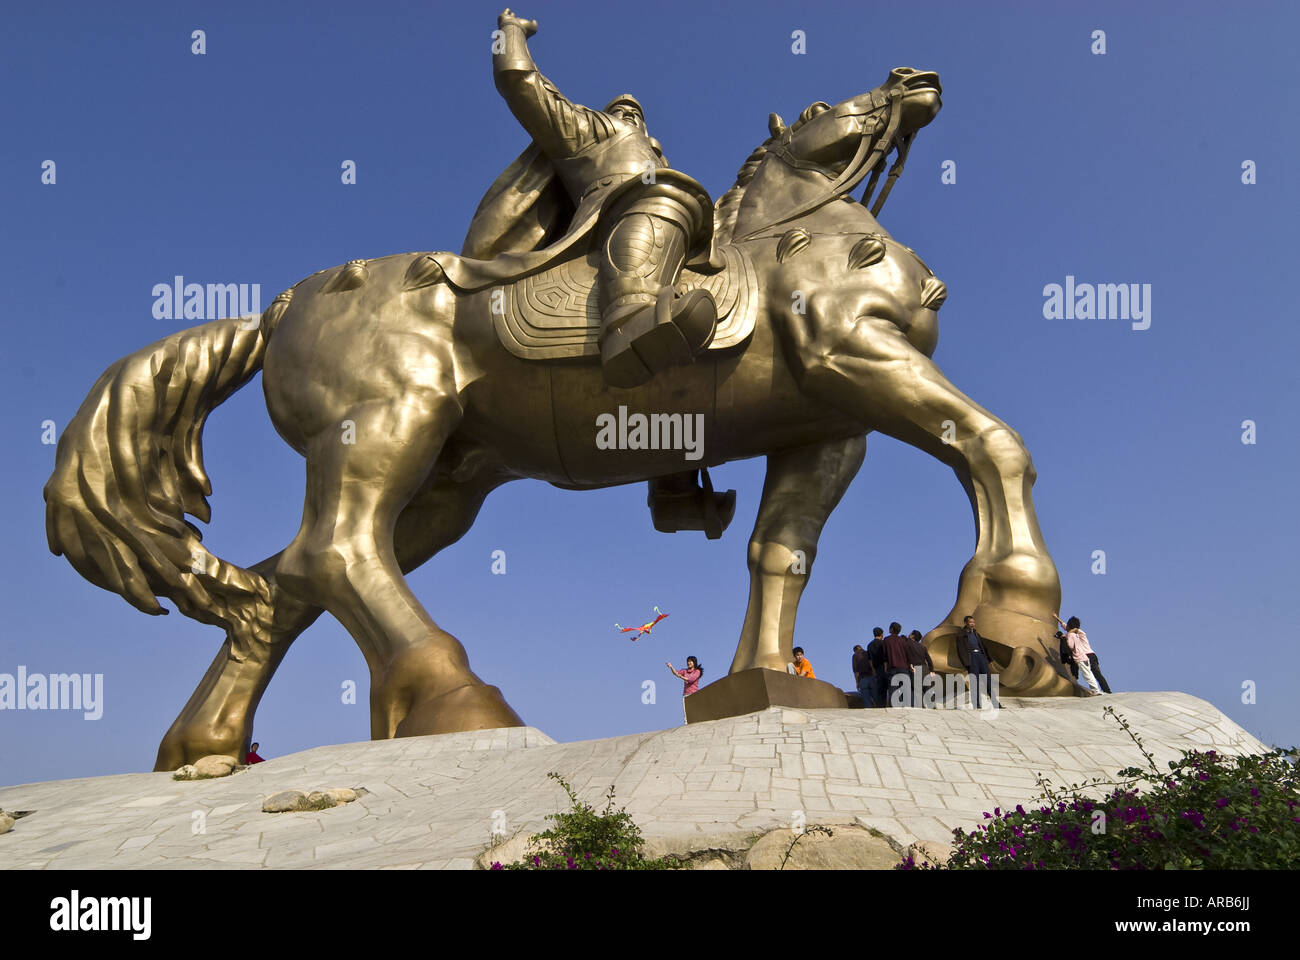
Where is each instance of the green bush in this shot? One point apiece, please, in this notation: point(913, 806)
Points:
point(583, 839)
point(1208, 811)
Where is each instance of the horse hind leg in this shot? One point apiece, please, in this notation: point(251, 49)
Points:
point(344, 559)
point(802, 487)
point(219, 716)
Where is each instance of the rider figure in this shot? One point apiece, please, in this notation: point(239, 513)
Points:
point(652, 218)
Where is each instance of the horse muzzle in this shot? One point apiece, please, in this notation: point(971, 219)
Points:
point(922, 95)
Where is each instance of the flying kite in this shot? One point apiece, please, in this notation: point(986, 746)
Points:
point(644, 628)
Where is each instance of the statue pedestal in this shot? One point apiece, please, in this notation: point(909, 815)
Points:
point(751, 690)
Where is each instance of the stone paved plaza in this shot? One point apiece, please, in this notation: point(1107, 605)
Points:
point(432, 802)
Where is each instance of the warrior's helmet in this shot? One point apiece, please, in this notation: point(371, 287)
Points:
point(626, 100)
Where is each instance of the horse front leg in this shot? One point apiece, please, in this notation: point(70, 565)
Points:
point(802, 487)
point(867, 368)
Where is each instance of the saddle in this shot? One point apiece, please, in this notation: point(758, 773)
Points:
point(555, 314)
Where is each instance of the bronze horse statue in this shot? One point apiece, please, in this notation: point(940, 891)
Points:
point(409, 410)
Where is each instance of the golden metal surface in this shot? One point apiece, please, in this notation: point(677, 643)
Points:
point(414, 412)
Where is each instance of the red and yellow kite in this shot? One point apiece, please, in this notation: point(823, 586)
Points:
point(644, 628)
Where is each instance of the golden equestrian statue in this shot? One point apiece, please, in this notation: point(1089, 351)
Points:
point(596, 283)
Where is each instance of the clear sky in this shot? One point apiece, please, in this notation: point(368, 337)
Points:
point(1117, 168)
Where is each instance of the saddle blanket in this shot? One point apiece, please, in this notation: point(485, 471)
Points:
point(555, 314)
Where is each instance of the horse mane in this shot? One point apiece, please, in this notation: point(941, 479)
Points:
point(727, 209)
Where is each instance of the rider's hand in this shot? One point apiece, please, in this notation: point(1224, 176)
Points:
point(507, 16)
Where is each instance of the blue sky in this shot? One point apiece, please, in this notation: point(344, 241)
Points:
point(1116, 168)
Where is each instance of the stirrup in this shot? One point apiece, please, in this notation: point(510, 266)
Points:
point(690, 506)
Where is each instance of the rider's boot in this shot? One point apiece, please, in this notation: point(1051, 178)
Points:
point(645, 325)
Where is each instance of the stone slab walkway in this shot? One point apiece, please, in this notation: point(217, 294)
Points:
point(434, 802)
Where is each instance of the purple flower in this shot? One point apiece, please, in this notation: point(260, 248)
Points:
point(1221, 802)
point(496, 865)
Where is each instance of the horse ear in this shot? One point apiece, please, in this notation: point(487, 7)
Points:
point(775, 125)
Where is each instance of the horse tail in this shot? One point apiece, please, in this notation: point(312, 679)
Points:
point(129, 467)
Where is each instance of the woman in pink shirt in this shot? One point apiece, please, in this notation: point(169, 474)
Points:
point(690, 676)
point(1082, 652)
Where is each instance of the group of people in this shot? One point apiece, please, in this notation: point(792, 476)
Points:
point(883, 671)
point(877, 669)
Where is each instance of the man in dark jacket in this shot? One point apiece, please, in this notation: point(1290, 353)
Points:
point(973, 653)
point(898, 667)
point(918, 656)
point(876, 656)
point(864, 676)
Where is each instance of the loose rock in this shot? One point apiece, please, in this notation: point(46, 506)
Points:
point(215, 765)
point(286, 801)
point(6, 822)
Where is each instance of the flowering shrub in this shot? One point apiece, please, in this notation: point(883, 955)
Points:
point(583, 839)
point(1207, 811)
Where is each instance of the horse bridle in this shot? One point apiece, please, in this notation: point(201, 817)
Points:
point(892, 104)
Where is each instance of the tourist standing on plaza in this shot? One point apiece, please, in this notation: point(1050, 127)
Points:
point(864, 676)
point(1084, 657)
point(876, 654)
point(925, 661)
point(251, 756)
point(918, 656)
point(974, 656)
point(690, 676)
point(898, 663)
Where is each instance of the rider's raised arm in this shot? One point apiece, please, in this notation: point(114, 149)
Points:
point(559, 126)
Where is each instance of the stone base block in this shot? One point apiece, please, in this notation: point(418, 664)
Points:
point(750, 690)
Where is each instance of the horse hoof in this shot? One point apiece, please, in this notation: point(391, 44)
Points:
point(471, 707)
point(1030, 674)
point(179, 747)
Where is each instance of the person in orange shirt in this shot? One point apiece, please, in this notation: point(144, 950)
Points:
point(802, 665)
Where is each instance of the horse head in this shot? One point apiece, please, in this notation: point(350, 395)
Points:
point(828, 151)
